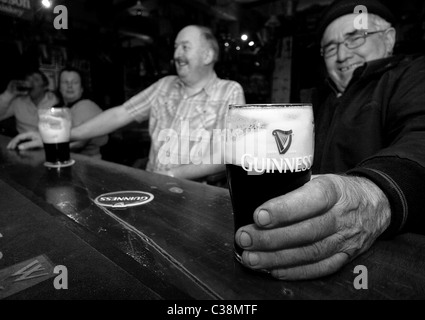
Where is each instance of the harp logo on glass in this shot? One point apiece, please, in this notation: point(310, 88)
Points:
point(283, 140)
point(123, 199)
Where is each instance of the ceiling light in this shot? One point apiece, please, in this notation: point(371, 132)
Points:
point(46, 3)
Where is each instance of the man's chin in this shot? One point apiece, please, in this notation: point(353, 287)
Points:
point(341, 84)
point(182, 74)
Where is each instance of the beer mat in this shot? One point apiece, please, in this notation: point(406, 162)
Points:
point(123, 199)
point(59, 165)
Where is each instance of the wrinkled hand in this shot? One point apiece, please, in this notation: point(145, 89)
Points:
point(314, 230)
point(25, 141)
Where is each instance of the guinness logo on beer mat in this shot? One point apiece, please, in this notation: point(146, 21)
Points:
point(283, 140)
point(123, 199)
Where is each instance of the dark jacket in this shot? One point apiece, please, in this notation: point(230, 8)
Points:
point(376, 129)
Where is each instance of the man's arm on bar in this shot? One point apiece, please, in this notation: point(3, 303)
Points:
point(195, 171)
point(105, 123)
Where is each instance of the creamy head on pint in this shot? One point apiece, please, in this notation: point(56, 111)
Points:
point(270, 137)
point(52, 128)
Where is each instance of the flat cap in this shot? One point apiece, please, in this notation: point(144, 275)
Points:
point(340, 8)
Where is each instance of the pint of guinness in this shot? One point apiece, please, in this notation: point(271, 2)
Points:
point(55, 127)
point(269, 152)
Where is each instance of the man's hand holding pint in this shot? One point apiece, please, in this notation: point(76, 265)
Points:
point(316, 229)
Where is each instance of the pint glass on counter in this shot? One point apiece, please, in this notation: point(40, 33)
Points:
point(269, 152)
point(54, 126)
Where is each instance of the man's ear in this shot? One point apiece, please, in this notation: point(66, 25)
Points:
point(208, 55)
point(390, 38)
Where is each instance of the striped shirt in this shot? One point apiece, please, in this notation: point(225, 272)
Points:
point(180, 126)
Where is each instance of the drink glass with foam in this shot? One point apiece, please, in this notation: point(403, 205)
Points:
point(269, 151)
point(54, 125)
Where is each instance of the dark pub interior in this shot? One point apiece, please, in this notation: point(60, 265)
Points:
point(241, 150)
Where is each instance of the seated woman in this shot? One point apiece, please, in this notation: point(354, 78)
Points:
point(71, 92)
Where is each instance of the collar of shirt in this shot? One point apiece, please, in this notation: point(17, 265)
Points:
point(208, 88)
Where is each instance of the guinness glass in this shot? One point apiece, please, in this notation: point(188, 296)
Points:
point(269, 152)
point(55, 127)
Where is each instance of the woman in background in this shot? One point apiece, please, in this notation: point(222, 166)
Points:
point(71, 93)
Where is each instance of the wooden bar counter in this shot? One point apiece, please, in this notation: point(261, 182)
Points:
point(177, 246)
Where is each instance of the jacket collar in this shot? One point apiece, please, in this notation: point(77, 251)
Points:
point(370, 68)
point(377, 67)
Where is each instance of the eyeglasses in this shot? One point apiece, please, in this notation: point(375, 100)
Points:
point(351, 42)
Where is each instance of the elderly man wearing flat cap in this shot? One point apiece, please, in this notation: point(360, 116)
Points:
point(370, 154)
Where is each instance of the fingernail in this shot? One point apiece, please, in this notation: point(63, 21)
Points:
point(245, 239)
point(263, 218)
point(253, 259)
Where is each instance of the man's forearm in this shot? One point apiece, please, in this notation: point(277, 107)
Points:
point(105, 123)
point(76, 146)
point(192, 171)
point(5, 99)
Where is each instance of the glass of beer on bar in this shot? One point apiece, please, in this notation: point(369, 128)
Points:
point(54, 125)
point(269, 152)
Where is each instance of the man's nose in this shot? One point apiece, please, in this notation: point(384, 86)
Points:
point(177, 52)
point(343, 52)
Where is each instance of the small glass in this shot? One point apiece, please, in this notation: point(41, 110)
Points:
point(55, 129)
